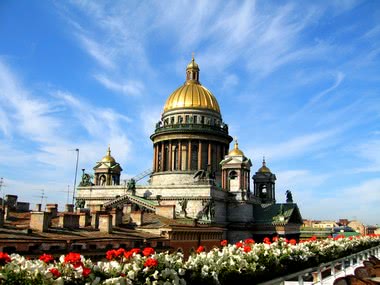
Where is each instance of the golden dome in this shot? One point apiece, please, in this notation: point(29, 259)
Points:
point(236, 151)
point(108, 157)
point(192, 94)
point(264, 168)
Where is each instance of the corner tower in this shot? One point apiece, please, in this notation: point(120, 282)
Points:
point(264, 185)
point(191, 134)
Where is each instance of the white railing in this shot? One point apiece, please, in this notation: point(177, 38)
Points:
point(326, 273)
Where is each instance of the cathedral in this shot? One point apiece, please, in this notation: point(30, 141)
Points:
point(198, 183)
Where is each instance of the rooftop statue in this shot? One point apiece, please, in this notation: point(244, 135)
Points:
point(289, 196)
point(86, 180)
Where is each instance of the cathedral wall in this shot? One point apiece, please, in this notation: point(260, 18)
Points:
point(240, 212)
point(234, 236)
point(172, 178)
point(220, 212)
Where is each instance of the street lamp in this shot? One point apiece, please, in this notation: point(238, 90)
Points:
point(76, 171)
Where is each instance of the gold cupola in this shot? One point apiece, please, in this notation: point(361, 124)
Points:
point(108, 157)
point(236, 151)
point(264, 168)
point(192, 95)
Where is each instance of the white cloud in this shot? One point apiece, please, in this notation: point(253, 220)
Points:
point(369, 152)
point(96, 51)
point(130, 87)
point(356, 202)
point(31, 116)
point(300, 145)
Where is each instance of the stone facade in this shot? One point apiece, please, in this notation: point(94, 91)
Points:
point(105, 223)
point(39, 221)
point(69, 220)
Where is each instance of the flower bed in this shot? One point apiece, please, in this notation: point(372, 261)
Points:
point(245, 262)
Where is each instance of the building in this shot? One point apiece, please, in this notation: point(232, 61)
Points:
point(196, 183)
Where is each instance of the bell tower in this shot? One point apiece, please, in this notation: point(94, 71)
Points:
point(107, 171)
point(264, 185)
point(235, 173)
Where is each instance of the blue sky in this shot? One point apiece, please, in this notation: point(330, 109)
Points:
point(297, 81)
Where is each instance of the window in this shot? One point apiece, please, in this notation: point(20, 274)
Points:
point(195, 119)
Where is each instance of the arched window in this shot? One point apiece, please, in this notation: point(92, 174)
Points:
point(232, 175)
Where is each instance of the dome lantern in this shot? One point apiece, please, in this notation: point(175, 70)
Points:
point(192, 72)
point(192, 95)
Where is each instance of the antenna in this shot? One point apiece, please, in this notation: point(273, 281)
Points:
point(76, 171)
point(42, 196)
point(2, 192)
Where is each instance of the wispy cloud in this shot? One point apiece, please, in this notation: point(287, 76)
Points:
point(31, 116)
point(300, 145)
point(128, 88)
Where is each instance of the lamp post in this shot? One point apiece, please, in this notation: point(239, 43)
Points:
point(2, 194)
point(76, 171)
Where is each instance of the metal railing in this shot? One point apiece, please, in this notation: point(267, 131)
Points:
point(346, 264)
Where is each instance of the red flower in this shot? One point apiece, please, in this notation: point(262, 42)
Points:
point(46, 258)
point(247, 248)
point(224, 242)
point(293, 241)
point(267, 240)
point(249, 241)
point(86, 271)
point(128, 254)
point(74, 259)
point(274, 239)
point(151, 262)
point(313, 238)
point(120, 252)
point(4, 258)
point(148, 251)
point(55, 272)
point(111, 254)
point(200, 249)
point(239, 244)
point(135, 250)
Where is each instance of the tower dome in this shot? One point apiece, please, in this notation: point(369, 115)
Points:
point(236, 151)
point(192, 94)
point(108, 157)
point(264, 168)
